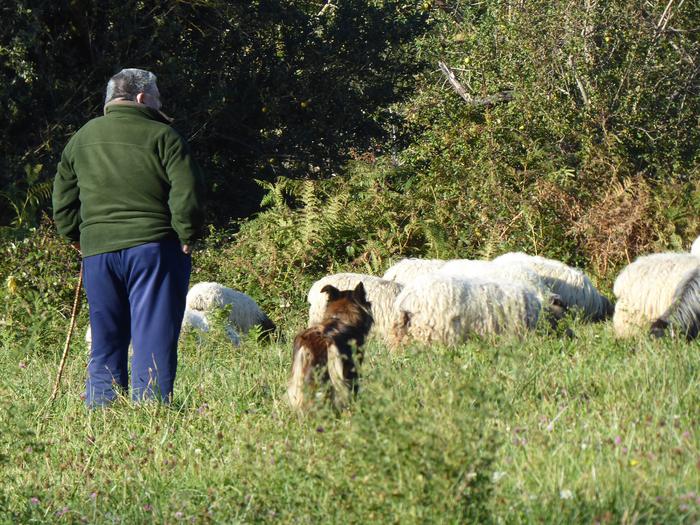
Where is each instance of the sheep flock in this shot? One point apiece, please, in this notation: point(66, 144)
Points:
point(434, 301)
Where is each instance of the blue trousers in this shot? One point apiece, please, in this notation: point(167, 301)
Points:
point(136, 294)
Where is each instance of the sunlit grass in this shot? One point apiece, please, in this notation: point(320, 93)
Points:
point(544, 430)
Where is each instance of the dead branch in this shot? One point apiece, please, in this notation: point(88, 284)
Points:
point(490, 100)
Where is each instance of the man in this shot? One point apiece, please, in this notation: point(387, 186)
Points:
point(128, 194)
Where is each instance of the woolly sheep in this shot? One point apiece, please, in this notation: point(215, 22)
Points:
point(573, 286)
point(446, 310)
point(198, 321)
point(656, 291)
point(695, 248)
point(192, 320)
point(514, 271)
point(406, 270)
point(380, 293)
point(245, 312)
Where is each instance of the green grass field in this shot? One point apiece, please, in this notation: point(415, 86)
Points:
point(584, 430)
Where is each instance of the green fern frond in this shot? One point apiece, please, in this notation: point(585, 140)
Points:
point(40, 193)
point(311, 212)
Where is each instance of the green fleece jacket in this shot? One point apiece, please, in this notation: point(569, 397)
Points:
point(125, 179)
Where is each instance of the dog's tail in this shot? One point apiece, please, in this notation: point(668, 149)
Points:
point(336, 374)
point(300, 369)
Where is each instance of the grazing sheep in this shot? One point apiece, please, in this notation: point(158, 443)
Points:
point(695, 248)
point(406, 270)
point(380, 292)
point(657, 291)
point(192, 320)
point(573, 287)
point(514, 271)
point(197, 320)
point(245, 312)
point(326, 347)
point(447, 310)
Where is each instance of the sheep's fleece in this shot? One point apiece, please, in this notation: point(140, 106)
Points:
point(515, 271)
point(208, 296)
point(406, 270)
point(695, 248)
point(573, 287)
point(446, 310)
point(659, 286)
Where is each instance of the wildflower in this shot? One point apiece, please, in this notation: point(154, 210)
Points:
point(93, 495)
point(198, 451)
point(22, 365)
point(34, 501)
point(566, 494)
point(179, 515)
point(147, 507)
point(633, 462)
point(62, 512)
point(618, 440)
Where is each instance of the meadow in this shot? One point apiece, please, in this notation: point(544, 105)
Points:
point(587, 429)
point(332, 141)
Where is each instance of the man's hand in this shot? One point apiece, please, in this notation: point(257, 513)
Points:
point(76, 245)
point(186, 249)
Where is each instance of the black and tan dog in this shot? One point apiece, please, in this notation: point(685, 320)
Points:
point(324, 352)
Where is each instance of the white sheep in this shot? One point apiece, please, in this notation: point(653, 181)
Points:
point(197, 320)
point(514, 271)
point(245, 312)
point(695, 248)
point(573, 287)
point(447, 310)
point(380, 293)
point(656, 291)
point(191, 320)
point(406, 270)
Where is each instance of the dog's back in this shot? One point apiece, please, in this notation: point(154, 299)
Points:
point(327, 348)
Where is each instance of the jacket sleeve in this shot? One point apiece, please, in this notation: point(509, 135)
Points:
point(186, 189)
point(66, 198)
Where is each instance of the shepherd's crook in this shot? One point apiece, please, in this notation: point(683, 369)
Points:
point(74, 314)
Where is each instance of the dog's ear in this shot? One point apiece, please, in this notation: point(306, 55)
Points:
point(332, 291)
point(359, 293)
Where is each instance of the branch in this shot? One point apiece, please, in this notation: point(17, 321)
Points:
point(491, 100)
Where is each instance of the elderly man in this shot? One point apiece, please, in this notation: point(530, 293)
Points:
point(128, 195)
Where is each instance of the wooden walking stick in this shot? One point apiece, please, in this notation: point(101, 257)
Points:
point(74, 314)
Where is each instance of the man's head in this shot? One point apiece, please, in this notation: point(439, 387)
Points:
point(136, 85)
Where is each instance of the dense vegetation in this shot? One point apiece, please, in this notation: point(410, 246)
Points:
point(332, 140)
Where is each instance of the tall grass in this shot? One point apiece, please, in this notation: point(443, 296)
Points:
point(550, 430)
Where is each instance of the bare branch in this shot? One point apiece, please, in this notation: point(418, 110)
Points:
point(502, 96)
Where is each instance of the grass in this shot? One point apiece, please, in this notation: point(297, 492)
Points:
point(547, 430)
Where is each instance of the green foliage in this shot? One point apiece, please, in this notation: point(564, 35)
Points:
point(261, 89)
point(557, 171)
point(599, 99)
point(39, 275)
point(26, 197)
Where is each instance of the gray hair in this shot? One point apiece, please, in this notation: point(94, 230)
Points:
point(130, 82)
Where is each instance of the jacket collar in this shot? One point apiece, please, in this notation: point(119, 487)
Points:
point(116, 105)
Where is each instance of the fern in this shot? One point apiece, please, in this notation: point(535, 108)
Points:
point(311, 213)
